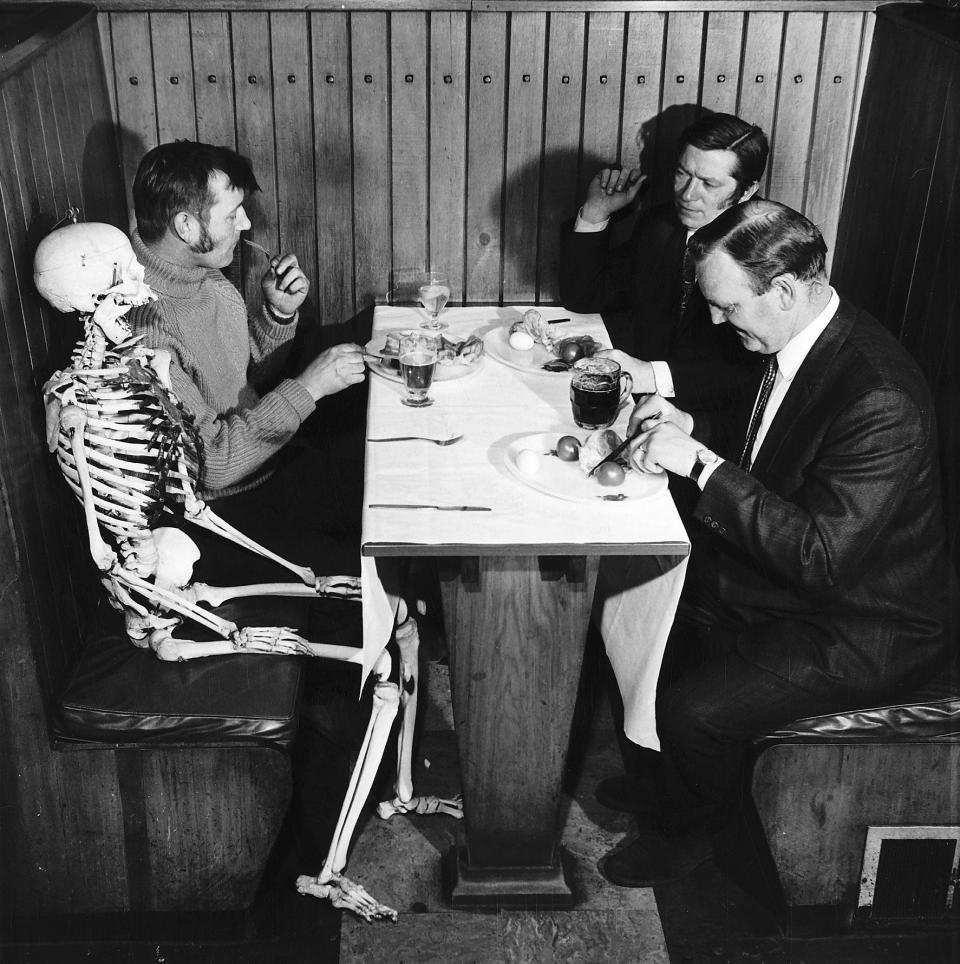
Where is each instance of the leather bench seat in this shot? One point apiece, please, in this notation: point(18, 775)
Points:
point(119, 694)
point(931, 714)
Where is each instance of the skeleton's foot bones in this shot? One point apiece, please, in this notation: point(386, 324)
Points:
point(451, 807)
point(347, 895)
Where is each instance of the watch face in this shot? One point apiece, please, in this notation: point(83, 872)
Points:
point(706, 456)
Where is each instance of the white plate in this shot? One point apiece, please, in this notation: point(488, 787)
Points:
point(496, 343)
point(444, 373)
point(566, 480)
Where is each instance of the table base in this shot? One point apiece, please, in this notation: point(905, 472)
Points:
point(511, 887)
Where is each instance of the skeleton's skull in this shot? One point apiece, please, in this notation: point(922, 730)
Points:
point(81, 267)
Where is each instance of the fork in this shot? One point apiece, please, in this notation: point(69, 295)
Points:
point(419, 438)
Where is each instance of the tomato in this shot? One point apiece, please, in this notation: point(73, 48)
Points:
point(611, 473)
point(568, 448)
point(570, 351)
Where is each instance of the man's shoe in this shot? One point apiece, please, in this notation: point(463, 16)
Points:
point(630, 793)
point(656, 859)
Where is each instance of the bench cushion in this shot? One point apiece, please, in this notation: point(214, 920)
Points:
point(931, 715)
point(119, 694)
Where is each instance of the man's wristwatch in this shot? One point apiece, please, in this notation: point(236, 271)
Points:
point(704, 458)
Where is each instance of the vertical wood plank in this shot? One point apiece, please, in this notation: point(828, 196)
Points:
point(603, 84)
point(760, 74)
point(106, 48)
point(136, 105)
point(561, 141)
point(213, 78)
point(372, 202)
point(333, 156)
point(488, 42)
point(173, 77)
point(256, 138)
point(411, 146)
point(832, 128)
point(523, 155)
point(448, 142)
point(723, 50)
point(294, 142)
point(790, 148)
point(65, 116)
point(642, 84)
point(681, 94)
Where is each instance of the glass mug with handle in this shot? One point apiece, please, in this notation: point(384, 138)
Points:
point(598, 387)
point(418, 362)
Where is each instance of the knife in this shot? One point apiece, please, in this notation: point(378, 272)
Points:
point(624, 443)
point(442, 508)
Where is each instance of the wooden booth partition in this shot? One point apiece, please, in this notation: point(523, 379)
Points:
point(388, 136)
point(94, 827)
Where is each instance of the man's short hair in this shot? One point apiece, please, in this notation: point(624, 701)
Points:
point(176, 177)
point(724, 132)
point(766, 239)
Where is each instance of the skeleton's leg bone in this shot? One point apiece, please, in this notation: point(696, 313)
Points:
point(345, 587)
point(268, 640)
point(201, 515)
point(344, 891)
point(408, 641)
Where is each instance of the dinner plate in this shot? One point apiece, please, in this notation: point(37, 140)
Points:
point(566, 480)
point(444, 373)
point(496, 343)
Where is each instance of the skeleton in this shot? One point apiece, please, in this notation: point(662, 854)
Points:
point(130, 453)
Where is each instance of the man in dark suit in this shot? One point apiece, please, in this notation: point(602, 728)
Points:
point(645, 288)
point(819, 578)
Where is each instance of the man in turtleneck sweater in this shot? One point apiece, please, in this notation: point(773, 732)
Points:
point(189, 202)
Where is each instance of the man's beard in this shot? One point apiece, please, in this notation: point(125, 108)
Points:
point(205, 244)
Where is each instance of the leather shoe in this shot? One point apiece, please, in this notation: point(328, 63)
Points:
point(630, 793)
point(654, 858)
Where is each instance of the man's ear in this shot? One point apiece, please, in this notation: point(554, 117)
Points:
point(750, 191)
point(785, 287)
point(185, 226)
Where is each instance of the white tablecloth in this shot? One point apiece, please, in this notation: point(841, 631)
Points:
point(491, 407)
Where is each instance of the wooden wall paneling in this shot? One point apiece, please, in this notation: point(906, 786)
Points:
point(411, 148)
point(485, 151)
point(447, 187)
point(293, 122)
point(642, 84)
point(561, 141)
point(256, 139)
point(372, 201)
point(866, 45)
point(798, 87)
point(136, 102)
point(722, 56)
point(523, 155)
point(333, 164)
point(832, 126)
point(65, 114)
point(173, 77)
point(97, 140)
point(106, 48)
point(602, 97)
point(760, 75)
point(213, 78)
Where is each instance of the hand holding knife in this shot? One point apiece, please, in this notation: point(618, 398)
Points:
point(626, 442)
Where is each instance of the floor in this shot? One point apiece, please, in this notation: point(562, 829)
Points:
point(720, 914)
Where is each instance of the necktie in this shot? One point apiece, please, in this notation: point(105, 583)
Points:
point(688, 280)
point(766, 386)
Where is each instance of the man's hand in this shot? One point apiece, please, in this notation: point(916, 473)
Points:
point(665, 442)
point(610, 191)
point(333, 370)
point(284, 286)
point(641, 371)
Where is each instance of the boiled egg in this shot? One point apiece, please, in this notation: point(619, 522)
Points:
point(529, 462)
point(521, 340)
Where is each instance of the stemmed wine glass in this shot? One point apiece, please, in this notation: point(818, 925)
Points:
point(434, 294)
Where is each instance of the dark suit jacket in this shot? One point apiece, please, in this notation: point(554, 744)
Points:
point(832, 552)
point(637, 288)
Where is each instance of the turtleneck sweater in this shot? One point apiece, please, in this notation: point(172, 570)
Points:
point(221, 358)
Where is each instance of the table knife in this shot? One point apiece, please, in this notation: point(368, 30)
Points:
point(441, 508)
